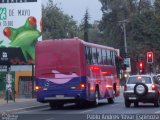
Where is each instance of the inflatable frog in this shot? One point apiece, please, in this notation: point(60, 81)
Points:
point(1, 45)
point(24, 37)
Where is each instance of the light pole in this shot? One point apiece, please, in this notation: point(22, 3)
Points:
point(123, 22)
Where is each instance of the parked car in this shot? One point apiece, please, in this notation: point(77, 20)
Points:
point(142, 88)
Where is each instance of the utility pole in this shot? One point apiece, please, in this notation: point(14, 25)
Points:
point(125, 43)
point(123, 22)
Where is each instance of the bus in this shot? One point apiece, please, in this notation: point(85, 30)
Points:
point(75, 71)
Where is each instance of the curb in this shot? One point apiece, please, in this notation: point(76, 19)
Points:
point(26, 109)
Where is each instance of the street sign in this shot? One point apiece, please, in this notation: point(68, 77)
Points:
point(127, 62)
point(11, 56)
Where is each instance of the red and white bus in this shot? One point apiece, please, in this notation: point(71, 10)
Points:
point(72, 70)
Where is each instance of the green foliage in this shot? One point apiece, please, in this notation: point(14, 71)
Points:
point(85, 26)
point(56, 24)
point(95, 35)
point(143, 26)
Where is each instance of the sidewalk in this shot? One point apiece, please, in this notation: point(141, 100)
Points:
point(20, 104)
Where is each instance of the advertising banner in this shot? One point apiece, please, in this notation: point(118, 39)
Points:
point(20, 27)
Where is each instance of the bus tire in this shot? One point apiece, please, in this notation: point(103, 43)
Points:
point(110, 100)
point(96, 99)
point(81, 104)
point(115, 88)
point(55, 105)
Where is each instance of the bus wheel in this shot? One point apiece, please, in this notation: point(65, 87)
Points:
point(81, 104)
point(96, 99)
point(110, 100)
point(54, 105)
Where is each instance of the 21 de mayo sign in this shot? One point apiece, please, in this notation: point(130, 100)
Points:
point(20, 25)
point(3, 13)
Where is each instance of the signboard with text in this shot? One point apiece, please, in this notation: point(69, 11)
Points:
point(128, 64)
point(20, 27)
point(12, 56)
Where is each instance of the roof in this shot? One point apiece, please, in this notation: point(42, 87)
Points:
point(84, 42)
point(143, 75)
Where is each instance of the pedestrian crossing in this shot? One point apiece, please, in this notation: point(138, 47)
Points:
point(16, 1)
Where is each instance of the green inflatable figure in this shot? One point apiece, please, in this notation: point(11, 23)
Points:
point(1, 46)
point(24, 37)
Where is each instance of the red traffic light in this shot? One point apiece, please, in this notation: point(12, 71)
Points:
point(149, 57)
point(140, 65)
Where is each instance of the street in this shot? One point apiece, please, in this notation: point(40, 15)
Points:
point(71, 111)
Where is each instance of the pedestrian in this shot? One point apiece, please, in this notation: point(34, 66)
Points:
point(9, 93)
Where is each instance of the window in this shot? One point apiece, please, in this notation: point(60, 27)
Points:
point(94, 55)
point(155, 79)
point(134, 80)
point(112, 57)
point(99, 56)
point(108, 58)
point(104, 57)
point(88, 55)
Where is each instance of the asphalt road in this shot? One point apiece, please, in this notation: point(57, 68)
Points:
point(102, 111)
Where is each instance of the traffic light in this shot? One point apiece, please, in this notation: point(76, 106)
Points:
point(141, 65)
point(149, 57)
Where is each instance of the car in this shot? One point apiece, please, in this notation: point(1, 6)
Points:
point(142, 88)
point(158, 75)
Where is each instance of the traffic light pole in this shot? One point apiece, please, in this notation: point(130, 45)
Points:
point(150, 68)
point(125, 42)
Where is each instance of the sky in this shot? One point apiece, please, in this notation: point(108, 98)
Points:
point(77, 8)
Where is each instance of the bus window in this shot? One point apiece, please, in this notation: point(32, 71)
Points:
point(104, 57)
point(112, 58)
point(99, 56)
point(88, 55)
point(94, 55)
point(108, 58)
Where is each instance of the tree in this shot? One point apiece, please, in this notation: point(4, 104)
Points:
point(85, 26)
point(56, 24)
point(113, 12)
point(143, 27)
